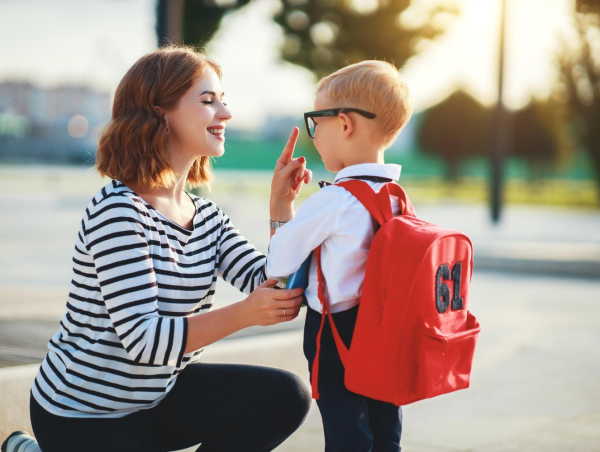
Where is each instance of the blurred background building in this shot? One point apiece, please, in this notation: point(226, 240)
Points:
point(50, 125)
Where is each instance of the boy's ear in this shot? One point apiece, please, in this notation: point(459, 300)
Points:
point(347, 124)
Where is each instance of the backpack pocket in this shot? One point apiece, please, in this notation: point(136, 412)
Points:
point(445, 357)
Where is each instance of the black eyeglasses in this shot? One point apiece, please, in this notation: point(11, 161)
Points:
point(311, 125)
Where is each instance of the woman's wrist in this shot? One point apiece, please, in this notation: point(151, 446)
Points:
point(280, 211)
point(243, 317)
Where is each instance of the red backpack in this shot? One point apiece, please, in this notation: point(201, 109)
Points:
point(414, 336)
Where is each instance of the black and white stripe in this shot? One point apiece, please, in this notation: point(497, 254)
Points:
point(137, 276)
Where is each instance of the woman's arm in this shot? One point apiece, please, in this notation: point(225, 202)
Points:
point(239, 263)
point(113, 234)
point(264, 306)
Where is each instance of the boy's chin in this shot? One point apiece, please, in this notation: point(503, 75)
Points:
point(332, 168)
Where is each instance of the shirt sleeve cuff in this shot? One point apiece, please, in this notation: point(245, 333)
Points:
point(181, 333)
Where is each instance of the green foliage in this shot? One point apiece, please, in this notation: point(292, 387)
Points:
point(261, 154)
point(201, 19)
point(587, 6)
point(458, 130)
point(325, 35)
point(580, 80)
point(539, 136)
point(455, 129)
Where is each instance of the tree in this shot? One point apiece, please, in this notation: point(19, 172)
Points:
point(325, 35)
point(458, 128)
point(193, 22)
point(580, 79)
point(321, 35)
point(455, 129)
point(538, 136)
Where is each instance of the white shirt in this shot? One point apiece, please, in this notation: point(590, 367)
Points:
point(335, 219)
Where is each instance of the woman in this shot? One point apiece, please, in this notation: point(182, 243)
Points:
point(119, 375)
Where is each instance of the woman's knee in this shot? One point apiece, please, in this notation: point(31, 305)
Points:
point(296, 399)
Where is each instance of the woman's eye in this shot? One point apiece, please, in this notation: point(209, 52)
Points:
point(210, 102)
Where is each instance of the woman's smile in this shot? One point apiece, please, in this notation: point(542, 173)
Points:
point(217, 132)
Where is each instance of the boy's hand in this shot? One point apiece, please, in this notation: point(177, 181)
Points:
point(288, 178)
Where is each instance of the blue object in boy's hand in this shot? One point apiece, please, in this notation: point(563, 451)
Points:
point(300, 277)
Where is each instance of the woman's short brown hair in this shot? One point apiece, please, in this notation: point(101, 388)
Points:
point(133, 145)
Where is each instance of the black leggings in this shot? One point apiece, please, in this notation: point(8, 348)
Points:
point(226, 407)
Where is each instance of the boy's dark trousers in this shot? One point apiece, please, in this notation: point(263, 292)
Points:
point(352, 422)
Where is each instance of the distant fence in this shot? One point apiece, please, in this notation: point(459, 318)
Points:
point(254, 154)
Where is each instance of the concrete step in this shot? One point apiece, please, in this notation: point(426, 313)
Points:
point(26, 341)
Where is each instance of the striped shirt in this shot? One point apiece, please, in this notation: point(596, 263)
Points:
point(137, 277)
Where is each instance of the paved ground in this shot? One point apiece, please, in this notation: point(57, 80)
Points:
point(535, 378)
point(40, 211)
point(537, 367)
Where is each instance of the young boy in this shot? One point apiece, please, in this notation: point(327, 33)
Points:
point(360, 110)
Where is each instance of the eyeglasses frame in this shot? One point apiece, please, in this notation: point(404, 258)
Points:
point(330, 112)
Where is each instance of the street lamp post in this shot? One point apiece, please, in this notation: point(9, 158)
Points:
point(500, 130)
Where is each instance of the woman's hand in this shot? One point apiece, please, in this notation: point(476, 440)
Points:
point(266, 305)
point(289, 177)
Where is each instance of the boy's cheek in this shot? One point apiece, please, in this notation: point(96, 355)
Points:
point(318, 147)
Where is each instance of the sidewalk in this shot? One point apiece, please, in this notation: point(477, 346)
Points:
point(534, 383)
point(535, 378)
point(535, 239)
point(532, 239)
point(550, 240)
point(35, 255)
point(536, 372)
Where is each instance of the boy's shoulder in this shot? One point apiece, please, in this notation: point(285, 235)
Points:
point(331, 196)
point(329, 200)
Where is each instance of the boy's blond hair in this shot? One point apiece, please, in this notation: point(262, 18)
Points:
point(374, 86)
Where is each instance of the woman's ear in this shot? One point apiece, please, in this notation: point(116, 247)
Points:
point(162, 113)
point(347, 124)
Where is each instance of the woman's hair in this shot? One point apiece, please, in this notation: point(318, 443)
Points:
point(374, 86)
point(133, 146)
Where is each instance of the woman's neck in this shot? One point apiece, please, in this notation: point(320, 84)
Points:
point(174, 193)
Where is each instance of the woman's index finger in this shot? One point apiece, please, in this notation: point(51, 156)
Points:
point(288, 150)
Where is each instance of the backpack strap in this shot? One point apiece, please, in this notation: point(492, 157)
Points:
point(379, 204)
point(325, 312)
point(371, 178)
point(405, 204)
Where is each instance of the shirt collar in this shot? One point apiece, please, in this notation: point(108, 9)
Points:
point(387, 170)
